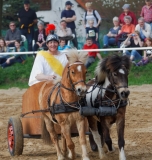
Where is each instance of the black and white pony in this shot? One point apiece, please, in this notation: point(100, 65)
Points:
point(107, 95)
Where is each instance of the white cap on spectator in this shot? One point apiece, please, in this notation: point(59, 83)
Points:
point(126, 6)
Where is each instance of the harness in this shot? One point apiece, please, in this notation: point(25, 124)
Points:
point(63, 106)
point(104, 106)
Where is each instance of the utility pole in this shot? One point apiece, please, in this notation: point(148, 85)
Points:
point(1, 8)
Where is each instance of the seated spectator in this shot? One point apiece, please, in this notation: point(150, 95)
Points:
point(91, 55)
point(3, 47)
point(127, 27)
point(39, 37)
point(12, 35)
point(127, 12)
point(62, 45)
point(92, 32)
point(132, 41)
point(147, 53)
point(110, 38)
point(16, 58)
point(144, 29)
point(64, 31)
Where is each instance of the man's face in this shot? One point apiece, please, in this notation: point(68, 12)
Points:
point(126, 10)
point(89, 42)
point(63, 24)
point(68, 7)
point(12, 26)
point(148, 3)
point(141, 23)
point(26, 7)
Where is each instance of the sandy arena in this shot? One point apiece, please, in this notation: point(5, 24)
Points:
point(138, 130)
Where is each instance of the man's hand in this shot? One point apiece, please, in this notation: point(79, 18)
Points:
point(51, 77)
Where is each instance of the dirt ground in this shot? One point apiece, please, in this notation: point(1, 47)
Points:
point(138, 130)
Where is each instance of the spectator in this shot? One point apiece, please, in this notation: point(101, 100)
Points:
point(64, 31)
point(62, 45)
point(127, 12)
point(132, 41)
point(27, 18)
point(127, 27)
point(92, 32)
point(147, 53)
point(69, 16)
point(40, 37)
point(110, 38)
point(144, 29)
point(91, 14)
point(91, 55)
point(12, 34)
point(48, 65)
point(20, 58)
point(3, 48)
point(146, 12)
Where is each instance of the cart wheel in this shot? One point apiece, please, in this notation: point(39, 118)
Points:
point(15, 136)
point(92, 143)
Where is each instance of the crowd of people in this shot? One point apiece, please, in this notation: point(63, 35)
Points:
point(126, 31)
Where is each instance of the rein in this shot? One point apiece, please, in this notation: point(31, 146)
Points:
point(74, 106)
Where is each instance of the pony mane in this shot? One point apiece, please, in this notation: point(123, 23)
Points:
point(74, 56)
point(111, 64)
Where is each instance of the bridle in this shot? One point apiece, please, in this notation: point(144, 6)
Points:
point(68, 76)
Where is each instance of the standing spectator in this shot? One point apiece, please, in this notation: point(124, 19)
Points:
point(127, 12)
point(110, 38)
point(69, 16)
point(27, 18)
point(91, 14)
point(146, 12)
point(144, 29)
point(39, 37)
point(64, 31)
point(91, 55)
point(92, 32)
point(16, 58)
point(12, 34)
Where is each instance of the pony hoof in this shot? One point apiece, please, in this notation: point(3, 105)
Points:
point(113, 150)
point(61, 157)
point(70, 156)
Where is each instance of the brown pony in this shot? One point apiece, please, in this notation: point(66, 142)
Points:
point(108, 97)
point(64, 97)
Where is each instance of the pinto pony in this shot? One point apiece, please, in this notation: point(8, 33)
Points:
point(111, 90)
point(62, 98)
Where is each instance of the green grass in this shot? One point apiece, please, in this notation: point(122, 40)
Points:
point(18, 74)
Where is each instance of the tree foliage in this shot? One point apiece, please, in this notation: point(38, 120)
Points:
point(10, 10)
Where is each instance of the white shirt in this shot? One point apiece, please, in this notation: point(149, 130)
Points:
point(90, 16)
point(41, 66)
point(146, 31)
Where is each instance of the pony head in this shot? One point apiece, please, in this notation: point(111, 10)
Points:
point(75, 71)
point(114, 71)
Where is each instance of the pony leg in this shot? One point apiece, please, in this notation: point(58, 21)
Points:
point(53, 136)
point(82, 138)
point(64, 146)
point(94, 130)
point(120, 123)
point(66, 131)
